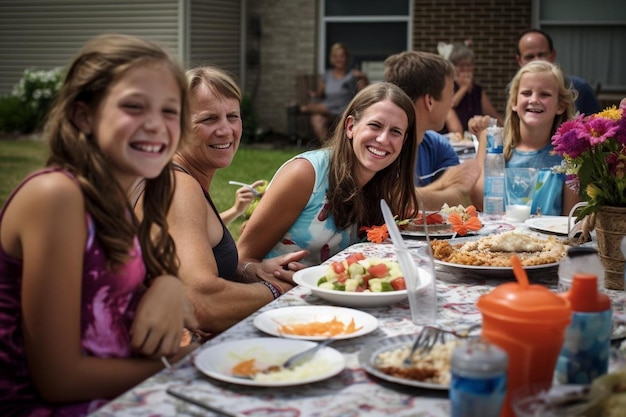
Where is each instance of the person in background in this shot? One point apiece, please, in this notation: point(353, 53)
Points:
point(77, 324)
point(244, 196)
point(318, 200)
point(222, 289)
point(539, 102)
point(469, 98)
point(335, 89)
point(428, 80)
point(534, 44)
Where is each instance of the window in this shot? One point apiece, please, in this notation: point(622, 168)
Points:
point(372, 30)
point(589, 38)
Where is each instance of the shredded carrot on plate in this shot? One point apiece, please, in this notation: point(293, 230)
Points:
point(332, 327)
point(245, 368)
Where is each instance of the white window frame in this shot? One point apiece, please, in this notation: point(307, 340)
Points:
point(375, 67)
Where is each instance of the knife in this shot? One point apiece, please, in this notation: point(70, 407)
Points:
point(202, 404)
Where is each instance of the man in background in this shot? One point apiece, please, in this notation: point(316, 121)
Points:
point(535, 44)
point(428, 79)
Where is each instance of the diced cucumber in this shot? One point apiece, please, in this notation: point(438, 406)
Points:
point(351, 284)
point(356, 269)
point(338, 286)
point(327, 286)
point(321, 281)
point(375, 284)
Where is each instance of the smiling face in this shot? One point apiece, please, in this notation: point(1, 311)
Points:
point(137, 124)
point(377, 138)
point(216, 127)
point(537, 101)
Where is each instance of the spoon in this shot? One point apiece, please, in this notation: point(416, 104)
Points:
point(243, 184)
point(519, 271)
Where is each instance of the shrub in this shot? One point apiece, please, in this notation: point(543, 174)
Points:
point(26, 108)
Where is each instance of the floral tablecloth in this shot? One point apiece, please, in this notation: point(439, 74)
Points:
point(351, 393)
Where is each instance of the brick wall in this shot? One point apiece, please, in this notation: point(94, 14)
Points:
point(289, 36)
point(492, 25)
point(288, 47)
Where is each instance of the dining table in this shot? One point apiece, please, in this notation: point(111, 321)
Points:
point(353, 391)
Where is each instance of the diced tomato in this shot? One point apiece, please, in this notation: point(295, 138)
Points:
point(398, 284)
point(359, 256)
point(352, 259)
point(343, 277)
point(366, 280)
point(378, 271)
point(338, 267)
point(359, 289)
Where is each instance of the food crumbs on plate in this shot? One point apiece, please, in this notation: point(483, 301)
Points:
point(332, 327)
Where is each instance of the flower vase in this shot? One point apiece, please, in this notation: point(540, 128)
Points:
point(610, 229)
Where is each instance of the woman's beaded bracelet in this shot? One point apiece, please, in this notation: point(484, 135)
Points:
point(275, 289)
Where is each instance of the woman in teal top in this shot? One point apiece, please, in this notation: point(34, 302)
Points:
point(317, 200)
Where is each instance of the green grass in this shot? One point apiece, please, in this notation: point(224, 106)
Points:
point(19, 157)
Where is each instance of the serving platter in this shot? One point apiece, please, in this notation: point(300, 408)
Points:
point(487, 271)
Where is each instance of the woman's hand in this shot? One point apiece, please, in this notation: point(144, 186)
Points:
point(161, 315)
point(279, 270)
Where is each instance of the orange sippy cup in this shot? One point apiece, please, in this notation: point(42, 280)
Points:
point(529, 323)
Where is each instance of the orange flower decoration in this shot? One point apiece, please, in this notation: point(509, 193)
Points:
point(465, 222)
point(376, 234)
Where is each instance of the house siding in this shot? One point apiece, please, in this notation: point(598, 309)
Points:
point(45, 34)
point(215, 35)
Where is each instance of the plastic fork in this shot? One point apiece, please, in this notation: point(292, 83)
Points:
point(303, 357)
point(293, 361)
point(429, 336)
point(243, 184)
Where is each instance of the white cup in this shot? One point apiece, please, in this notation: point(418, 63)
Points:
point(520, 185)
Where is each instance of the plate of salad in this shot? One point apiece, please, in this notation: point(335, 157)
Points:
point(356, 281)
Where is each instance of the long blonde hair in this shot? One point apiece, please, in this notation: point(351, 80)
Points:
point(97, 66)
point(566, 97)
point(348, 203)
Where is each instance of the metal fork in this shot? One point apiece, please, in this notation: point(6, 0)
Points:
point(429, 336)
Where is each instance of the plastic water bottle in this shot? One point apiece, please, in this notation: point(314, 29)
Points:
point(479, 379)
point(493, 196)
point(585, 352)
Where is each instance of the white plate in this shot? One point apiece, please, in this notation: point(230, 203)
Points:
point(270, 321)
point(550, 224)
point(490, 271)
point(440, 231)
point(369, 352)
point(308, 278)
point(218, 360)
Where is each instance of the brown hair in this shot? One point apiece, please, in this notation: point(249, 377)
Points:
point(350, 204)
point(98, 65)
point(419, 73)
